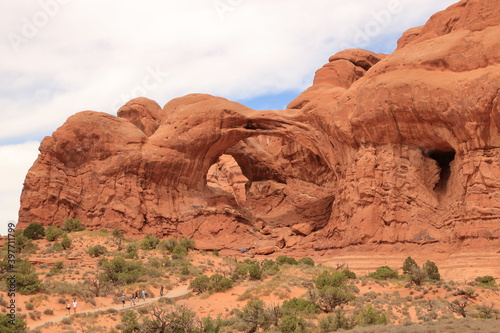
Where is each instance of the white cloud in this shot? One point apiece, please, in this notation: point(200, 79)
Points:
point(15, 160)
point(83, 55)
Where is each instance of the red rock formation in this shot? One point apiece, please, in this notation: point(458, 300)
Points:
point(381, 149)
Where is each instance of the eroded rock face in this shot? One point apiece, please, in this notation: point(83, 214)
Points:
point(381, 149)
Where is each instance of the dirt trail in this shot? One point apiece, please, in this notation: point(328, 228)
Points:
point(177, 292)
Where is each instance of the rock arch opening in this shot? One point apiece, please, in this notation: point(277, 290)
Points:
point(443, 159)
point(277, 180)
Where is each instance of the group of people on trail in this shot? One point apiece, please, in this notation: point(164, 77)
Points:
point(74, 304)
point(135, 296)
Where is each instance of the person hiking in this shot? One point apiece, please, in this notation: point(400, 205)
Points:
point(68, 307)
point(144, 295)
point(123, 300)
point(132, 299)
point(161, 291)
point(75, 304)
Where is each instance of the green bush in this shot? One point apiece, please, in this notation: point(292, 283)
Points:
point(270, 267)
point(27, 279)
point(306, 261)
point(286, 260)
point(66, 242)
point(254, 316)
point(255, 271)
point(52, 233)
point(72, 225)
point(384, 273)
point(431, 271)
point(150, 242)
point(335, 322)
point(408, 265)
point(180, 251)
point(17, 326)
point(292, 324)
point(349, 274)
point(121, 271)
point(215, 283)
point(333, 291)
point(296, 306)
point(219, 283)
point(34, 231)
point(131, 251)
point(369, 316)
point(168, 245)
point(211, 325)
point(486, 280)
point(97, 250)
point(187, 243)
point(185, 270)
point(200, 284)
point(23, 244)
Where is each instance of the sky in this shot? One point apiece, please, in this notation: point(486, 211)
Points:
point(59, 57)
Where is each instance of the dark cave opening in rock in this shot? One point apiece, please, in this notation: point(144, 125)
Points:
point(443, 159)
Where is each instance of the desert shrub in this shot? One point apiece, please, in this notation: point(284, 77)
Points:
point(200, 284)
point(369, 316)
point(56, 247)
point(168, 245)
point(185, 270)
point(384, 273)
point(97, 250)
point(216, 253)
point(52, 233)
point(247, 268)
point(129, 321)
point(339, 320)
point(306, 261)
point(292, 324)
point(431, 271)
point(211, 325)
point(180, 251)
point(349, 274)
point(131, 251)
point(297, 306)
point(29, 306)
point(17, 326)
point(270, 267)
point(486, 280)
point(22, 243)
point(72, 225)
point(48, 312)
point(118, 237)
point(255, 271)
point(27, 279)
point(121, 271)
point(150, 242)
point(34, 231)
point(215, 283)
point(219, 283)
point(255, 316)
point(187, 243)
point(408, 265)
point(332, 290)
point(286, 260)
point(66, 242)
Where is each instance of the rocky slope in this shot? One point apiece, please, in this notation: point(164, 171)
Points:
point(381, 149)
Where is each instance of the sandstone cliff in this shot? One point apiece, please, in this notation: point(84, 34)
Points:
point(381, 149)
